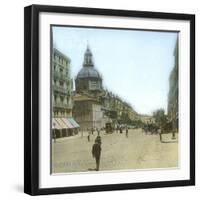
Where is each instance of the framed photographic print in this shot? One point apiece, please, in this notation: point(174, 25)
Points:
point(109, 99)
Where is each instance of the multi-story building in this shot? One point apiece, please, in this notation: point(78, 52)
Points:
point(62, 122)
point(146, 118)
point(120, 110)
point(173, 91)
point(61, 85)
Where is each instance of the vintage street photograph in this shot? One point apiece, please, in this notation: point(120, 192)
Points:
point(114, 99)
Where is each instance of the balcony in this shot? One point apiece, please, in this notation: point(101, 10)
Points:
point(60, 89)
point(60, 76)
point(62, 106)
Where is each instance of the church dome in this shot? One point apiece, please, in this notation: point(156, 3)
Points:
point(88, 72)
point(88, 78)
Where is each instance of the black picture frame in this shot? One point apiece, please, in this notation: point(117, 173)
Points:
point(31, 98)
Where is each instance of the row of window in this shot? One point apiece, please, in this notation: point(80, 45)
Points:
point(61, 99)
point(61, 113)
point(60, 59)
point(56, 68)
point(62, 83)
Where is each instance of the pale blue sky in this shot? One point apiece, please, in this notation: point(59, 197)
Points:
point(134, 64)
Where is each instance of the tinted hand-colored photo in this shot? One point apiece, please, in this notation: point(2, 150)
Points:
point(114, 99)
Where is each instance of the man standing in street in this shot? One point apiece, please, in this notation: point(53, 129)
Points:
point(54, 135)
point(88, 137)
point(98, 132)
point(127, 131)
point(96, 153)
point(120, 130)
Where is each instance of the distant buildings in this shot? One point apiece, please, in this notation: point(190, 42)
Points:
point(62, 121)
point(173, 91)
point(95, 107)
point(146, 118)
point(119, 110)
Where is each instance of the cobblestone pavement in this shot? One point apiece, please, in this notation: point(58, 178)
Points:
point(138, 151)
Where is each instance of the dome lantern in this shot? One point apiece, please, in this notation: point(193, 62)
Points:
point(88, 60)
point(88, 78)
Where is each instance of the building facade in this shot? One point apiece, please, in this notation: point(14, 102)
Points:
point(61, 85)
point(173, 91)
point(87, 112)
point(62, 122)
point(120, 111)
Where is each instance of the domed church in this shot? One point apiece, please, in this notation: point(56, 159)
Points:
point(94, 107)
point(88, 79)
point(87, 108)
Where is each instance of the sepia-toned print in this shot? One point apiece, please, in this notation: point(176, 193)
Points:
point(114, 99)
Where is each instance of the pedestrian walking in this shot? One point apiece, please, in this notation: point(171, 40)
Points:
point(173, 131)
point(117, 129)
point(173, 135)
point(98, 132)
point(54, 135)
point(54, 132)
point(160, 135)
point(98, 139)
point(126, 131)
point(88, 137)
point(96, 153)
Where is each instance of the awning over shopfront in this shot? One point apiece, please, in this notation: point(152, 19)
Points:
point(55, 124)
point(61, 123)
point(64, 123)
point(74, 123)
point(67, 123)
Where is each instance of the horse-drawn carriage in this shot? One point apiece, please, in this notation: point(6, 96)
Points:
point(153, 128)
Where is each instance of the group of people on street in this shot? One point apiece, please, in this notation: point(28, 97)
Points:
point(120, 128)
point(91, 132)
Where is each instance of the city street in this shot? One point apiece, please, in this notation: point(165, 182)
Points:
point(138, 151)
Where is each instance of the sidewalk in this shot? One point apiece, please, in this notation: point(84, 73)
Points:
point(80, 134)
